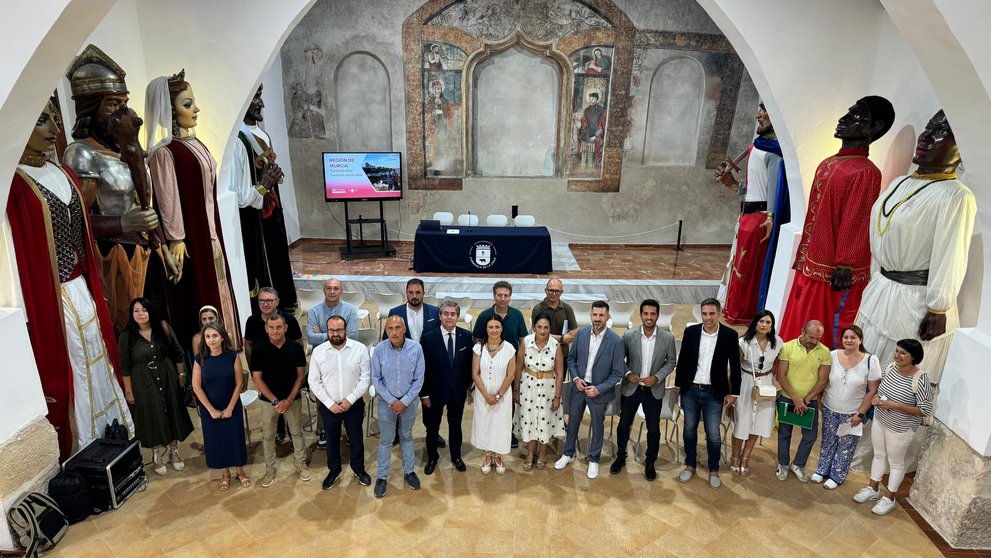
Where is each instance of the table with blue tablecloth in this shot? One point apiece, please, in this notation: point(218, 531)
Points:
point(499, 250)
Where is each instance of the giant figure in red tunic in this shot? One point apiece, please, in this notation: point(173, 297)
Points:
point(833, 263)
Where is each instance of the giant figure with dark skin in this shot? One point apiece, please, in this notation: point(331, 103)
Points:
point(920, 234)
point(833, 261)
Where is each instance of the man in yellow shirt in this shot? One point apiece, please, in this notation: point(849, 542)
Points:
point(803, 370)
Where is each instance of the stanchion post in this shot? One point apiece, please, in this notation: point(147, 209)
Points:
point(678, 247)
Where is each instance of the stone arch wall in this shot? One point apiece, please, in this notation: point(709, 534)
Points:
point(674, 104)
point(363, 97)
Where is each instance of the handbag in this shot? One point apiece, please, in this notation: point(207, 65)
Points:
point(760, 391)
point(37, 522)
point(116, 431)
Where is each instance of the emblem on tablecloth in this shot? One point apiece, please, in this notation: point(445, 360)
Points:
point(482, 254)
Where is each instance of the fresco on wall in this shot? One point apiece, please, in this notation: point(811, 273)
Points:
point(442, 71)
point(306, 99)
point(541, 20)
point(590, 110)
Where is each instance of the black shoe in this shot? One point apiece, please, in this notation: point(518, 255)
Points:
point(429, 468)
point(380, 486)
point(412, 480)
point(514, 443)
point(440, 442)
point(649, 472)
point(617, 465)
point(363, 478)
point(330, 479)
point(322, 442)
point(459, 464)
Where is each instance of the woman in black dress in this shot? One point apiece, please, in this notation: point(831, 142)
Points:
point(151, 362)
point(217, 383)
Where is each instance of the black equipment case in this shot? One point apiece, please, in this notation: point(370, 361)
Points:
point(113, 470)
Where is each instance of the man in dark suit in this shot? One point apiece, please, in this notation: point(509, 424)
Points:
point(418, 318)
point(707, 380)
point(650, 358)
point(447, 354)
point(595, 365)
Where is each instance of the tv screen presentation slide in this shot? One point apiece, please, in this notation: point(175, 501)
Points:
point(362, 176)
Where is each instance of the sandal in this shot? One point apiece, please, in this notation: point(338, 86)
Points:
point(158, 461)
point(542, 459)
point(528, 464)
point(244, 480)
point(734, 466)
point(225, 481)
point(177, 463)
point(745, 467)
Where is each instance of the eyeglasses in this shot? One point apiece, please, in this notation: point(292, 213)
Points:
point(760, 363)
point(554, 291)
point(339, 330)
point(267, 300)
point(449, 314)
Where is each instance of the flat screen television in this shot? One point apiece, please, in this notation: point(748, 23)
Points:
point(362, 176)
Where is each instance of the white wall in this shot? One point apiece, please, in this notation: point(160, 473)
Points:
point(275, 125)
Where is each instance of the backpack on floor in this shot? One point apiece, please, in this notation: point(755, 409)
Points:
point(37, 522)
point(70, 492)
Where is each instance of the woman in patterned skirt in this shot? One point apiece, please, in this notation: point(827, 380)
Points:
point(537, 392)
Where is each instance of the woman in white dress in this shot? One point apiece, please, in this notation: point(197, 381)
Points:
point(537, 391)
point(492, 371)
point(759, 348)
point(853, 380)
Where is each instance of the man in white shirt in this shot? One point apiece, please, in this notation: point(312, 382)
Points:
point(707, 379)
point(650, 358)
point(340, 373)
point(596, 366)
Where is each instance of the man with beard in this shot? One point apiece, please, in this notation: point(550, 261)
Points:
point(340, 373)
point(255, 179)
point(119, 224)
point(833, 264)
point(764, 209)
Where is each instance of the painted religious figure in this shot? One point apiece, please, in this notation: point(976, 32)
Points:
point(306, 99)
point(442, 65)
point(593, 68)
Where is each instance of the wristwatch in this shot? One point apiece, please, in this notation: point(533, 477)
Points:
point(276, 402)
point(862, 416)
point(498, 397)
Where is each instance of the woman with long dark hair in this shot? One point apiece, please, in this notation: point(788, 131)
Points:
point(493, 368)
point(217, 382)
point(759, 348)
point(151, 362)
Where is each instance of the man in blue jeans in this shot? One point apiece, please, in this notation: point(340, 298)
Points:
point(803, 372)
point(707, 379)
point(397, 374)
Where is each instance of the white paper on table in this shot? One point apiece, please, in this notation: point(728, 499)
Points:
point(453, 231)
point(847, 429)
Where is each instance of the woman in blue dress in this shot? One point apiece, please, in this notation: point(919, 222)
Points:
point(217, 383)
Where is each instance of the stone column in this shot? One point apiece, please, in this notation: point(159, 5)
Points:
point(952, 489)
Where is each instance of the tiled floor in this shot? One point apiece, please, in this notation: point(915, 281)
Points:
point(597, 261)
point(537, 513)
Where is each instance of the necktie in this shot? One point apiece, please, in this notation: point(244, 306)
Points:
point(450, 347)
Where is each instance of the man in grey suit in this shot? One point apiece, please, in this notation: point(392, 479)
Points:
point(595, 364)
point(650, 358)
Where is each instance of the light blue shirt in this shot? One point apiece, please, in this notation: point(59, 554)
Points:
point(397, 374)
point(319, 314)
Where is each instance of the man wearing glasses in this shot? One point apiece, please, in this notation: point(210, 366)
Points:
point(564, 326)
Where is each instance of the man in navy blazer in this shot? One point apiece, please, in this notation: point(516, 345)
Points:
point(417, 316)
point(595, 365)
point(707, 379)
point(447, 354)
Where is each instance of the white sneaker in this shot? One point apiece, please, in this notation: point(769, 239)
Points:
point(781, 473)
point(866, 493)
point(830, 484)
point(563, 462)
point(800, 473)
point(593, 470)
point(816, 478)
point(686, 475)
point(883, 506)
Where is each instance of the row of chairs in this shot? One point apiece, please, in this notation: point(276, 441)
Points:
point(446, 218)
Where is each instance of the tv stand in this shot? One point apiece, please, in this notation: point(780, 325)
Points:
point(360, 249)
